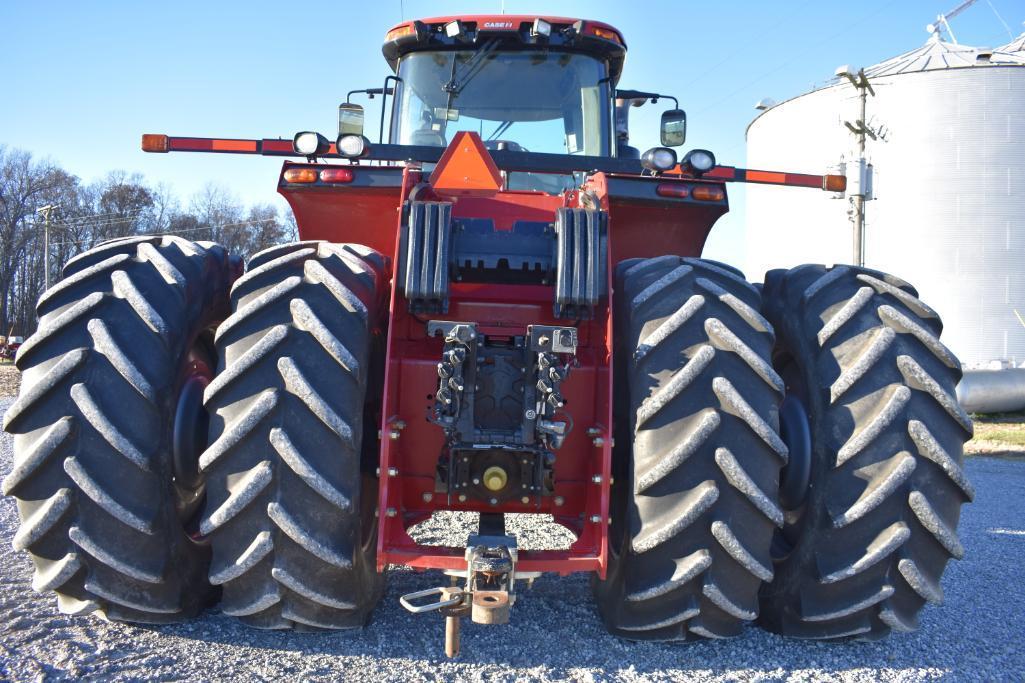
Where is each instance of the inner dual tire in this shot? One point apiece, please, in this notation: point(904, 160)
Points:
point(290, 466)
point(697, 457)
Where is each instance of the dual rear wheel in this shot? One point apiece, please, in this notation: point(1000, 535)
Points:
point(802, 468)
point(181, 433)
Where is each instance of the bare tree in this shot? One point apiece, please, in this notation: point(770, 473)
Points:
point(126, 204)
point(23, 184)
point(119, 205)
point(225, 220)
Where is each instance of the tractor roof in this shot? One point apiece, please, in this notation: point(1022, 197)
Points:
point(516, 32)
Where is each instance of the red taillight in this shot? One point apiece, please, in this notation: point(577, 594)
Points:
point(300, 175)
point(336, 175)
point(678, 190)
point(708, 193)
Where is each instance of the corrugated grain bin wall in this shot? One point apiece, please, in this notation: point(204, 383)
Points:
point(949, 213)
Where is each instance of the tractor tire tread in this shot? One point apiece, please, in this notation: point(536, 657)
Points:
point(699, 454)
point(284, 460)
point(880, 522)
point(92, 427)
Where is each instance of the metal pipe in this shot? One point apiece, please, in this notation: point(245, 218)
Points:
point(992, 391)
point(451, 636)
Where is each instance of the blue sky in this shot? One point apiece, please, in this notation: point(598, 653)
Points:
point(83, 80)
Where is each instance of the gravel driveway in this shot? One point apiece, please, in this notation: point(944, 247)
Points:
point(555, 633)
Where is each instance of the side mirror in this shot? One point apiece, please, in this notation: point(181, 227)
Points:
point(674, 127)
point(350, 119)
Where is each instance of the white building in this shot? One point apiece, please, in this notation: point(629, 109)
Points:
point(949, 185)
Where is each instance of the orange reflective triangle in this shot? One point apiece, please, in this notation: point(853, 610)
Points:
point(466, 168)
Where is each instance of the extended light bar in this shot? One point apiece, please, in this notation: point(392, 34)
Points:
point(265, 147)
point(506, 160)
point(731, 174)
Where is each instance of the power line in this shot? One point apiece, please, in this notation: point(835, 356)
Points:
point(98, 224)
point(801, 54)
point(1001, 20)
point(221, 226)
point(757, 34)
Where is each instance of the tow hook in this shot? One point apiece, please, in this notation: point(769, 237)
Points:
point(487, 595)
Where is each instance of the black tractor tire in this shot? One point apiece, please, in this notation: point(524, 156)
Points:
point(696, 459)
point(93, 428)
point(865, 549)
point(292, 503)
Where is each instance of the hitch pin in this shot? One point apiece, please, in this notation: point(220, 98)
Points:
point(453, 605)
point(449, 600)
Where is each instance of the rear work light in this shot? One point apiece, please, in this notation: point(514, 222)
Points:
point(336, 175)
point(658, 159)
point(352, 146)
point(300, 175)
point(708, 193)
point(699, 161)
point(540, 27)
point(310, 143)
point(678, 190)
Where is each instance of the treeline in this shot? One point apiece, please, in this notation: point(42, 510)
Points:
point(84, 215)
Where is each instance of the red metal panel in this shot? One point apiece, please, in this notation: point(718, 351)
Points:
point(410, 382)
point(346, 213)
point(653, 228)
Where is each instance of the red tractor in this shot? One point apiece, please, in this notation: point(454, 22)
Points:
point(501, 309)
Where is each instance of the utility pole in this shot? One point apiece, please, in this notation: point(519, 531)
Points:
point(860, 190)
point(46, 210)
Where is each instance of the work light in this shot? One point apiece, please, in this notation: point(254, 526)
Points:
point(454, 29)
point(352, 146)
point(658, 159)
point(699, 161)
point(309, 143)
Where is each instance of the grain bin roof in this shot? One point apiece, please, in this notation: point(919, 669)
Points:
point(935, 54)
point(1012, 53)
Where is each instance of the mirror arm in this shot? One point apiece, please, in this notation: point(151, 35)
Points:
point(640, 94)
point(384, 106)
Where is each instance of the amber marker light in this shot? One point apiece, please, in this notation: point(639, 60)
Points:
point(300, 175)
point(708, 193)
point(152, 142)
point(604, 33)
point(834, 183)
point(399, 32)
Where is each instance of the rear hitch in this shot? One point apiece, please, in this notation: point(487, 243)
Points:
point(487, 594)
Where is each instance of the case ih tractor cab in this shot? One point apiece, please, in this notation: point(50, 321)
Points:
point(501, 309)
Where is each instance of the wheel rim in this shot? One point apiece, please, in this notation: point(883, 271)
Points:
point(795, 477)
point(795, 430)
point(189, 434)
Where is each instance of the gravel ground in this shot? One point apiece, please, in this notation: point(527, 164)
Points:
point(555, 633)
point(10, 379)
